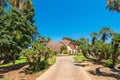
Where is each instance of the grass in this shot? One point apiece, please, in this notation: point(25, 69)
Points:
point(23, 60)
point(52, 60)
point(79, 58)
point(1, 79)
point(19, 61)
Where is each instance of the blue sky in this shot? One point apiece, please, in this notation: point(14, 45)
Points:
point(73, 18)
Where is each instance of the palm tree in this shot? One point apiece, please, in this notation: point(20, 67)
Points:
point(94, 36)
point(83, 46)
point(43, 40)
point(106, 33)
point(113, 5)
point(103, 50)
point(39, 48)
point(116, 44)
point(47, 52)
point(48, 39)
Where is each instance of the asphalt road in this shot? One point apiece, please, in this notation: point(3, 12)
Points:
point(64, 69)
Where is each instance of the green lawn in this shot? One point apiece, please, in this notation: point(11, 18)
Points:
point(52, 60)
point(79, 58)
point(1, 79)
point(21, 60)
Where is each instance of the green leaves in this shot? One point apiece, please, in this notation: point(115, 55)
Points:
point(113, 5)
point(106, 33)
point(16, 30)
point(84, 43)
point(116, 38)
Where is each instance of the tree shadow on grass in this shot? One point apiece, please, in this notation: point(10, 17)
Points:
point(100, 73)
point(10, 68)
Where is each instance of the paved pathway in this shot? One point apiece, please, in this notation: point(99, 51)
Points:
point(64, 69)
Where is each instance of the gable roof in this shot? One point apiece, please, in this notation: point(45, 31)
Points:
point(56, 46)
point(72, 46)
point(65, 42)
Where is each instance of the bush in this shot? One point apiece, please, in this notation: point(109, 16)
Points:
point(109, 63)
point(64, 52)
point(43, 65)
point(38, 67)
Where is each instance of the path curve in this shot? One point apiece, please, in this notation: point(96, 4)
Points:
point(64, 69)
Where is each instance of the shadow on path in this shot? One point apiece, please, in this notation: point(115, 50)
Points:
point(101, 73)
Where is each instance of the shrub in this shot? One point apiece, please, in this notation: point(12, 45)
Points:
point(43, 65)
point(109, 63)
point(64, 52)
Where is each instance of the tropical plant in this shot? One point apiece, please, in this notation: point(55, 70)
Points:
point(39, 48)
point(43, 40)
point(63, 49)
point(16, 31)
point(37, 56)
point(116, 45)
point(102, 49)
point(94, 36)
point(83, 46)
point(105, 33)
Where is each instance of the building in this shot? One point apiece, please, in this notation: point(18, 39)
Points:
point(56, 46)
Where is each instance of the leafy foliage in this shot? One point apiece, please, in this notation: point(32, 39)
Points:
point(64, 50)
point(16, 30)
point(113, 5)
point(38, 56)
point(94, 36)
point(106, 33)
point(100, 50)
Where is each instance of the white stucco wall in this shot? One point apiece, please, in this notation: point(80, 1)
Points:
point(70, 50)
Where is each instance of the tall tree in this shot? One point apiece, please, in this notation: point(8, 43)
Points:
point(106, 33)
point(83, 46)
point(43, 40)
point(19, 29)
point(94, 36)
point(116, 45)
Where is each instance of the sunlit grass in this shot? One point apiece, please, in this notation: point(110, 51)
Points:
point(52, 60)
point(1, 79)
point(19, 61)
point(79, 58)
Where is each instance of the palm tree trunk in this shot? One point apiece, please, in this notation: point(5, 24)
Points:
point(115, 55)
point(104, 37)
point(114, 59)
point(46, 56)
point(39, 58)
point(7, 57)
point(14, 58)
point(20, 4)
point(85, 54)
point(107, 55)
point(93, 41)
point(101, 56)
